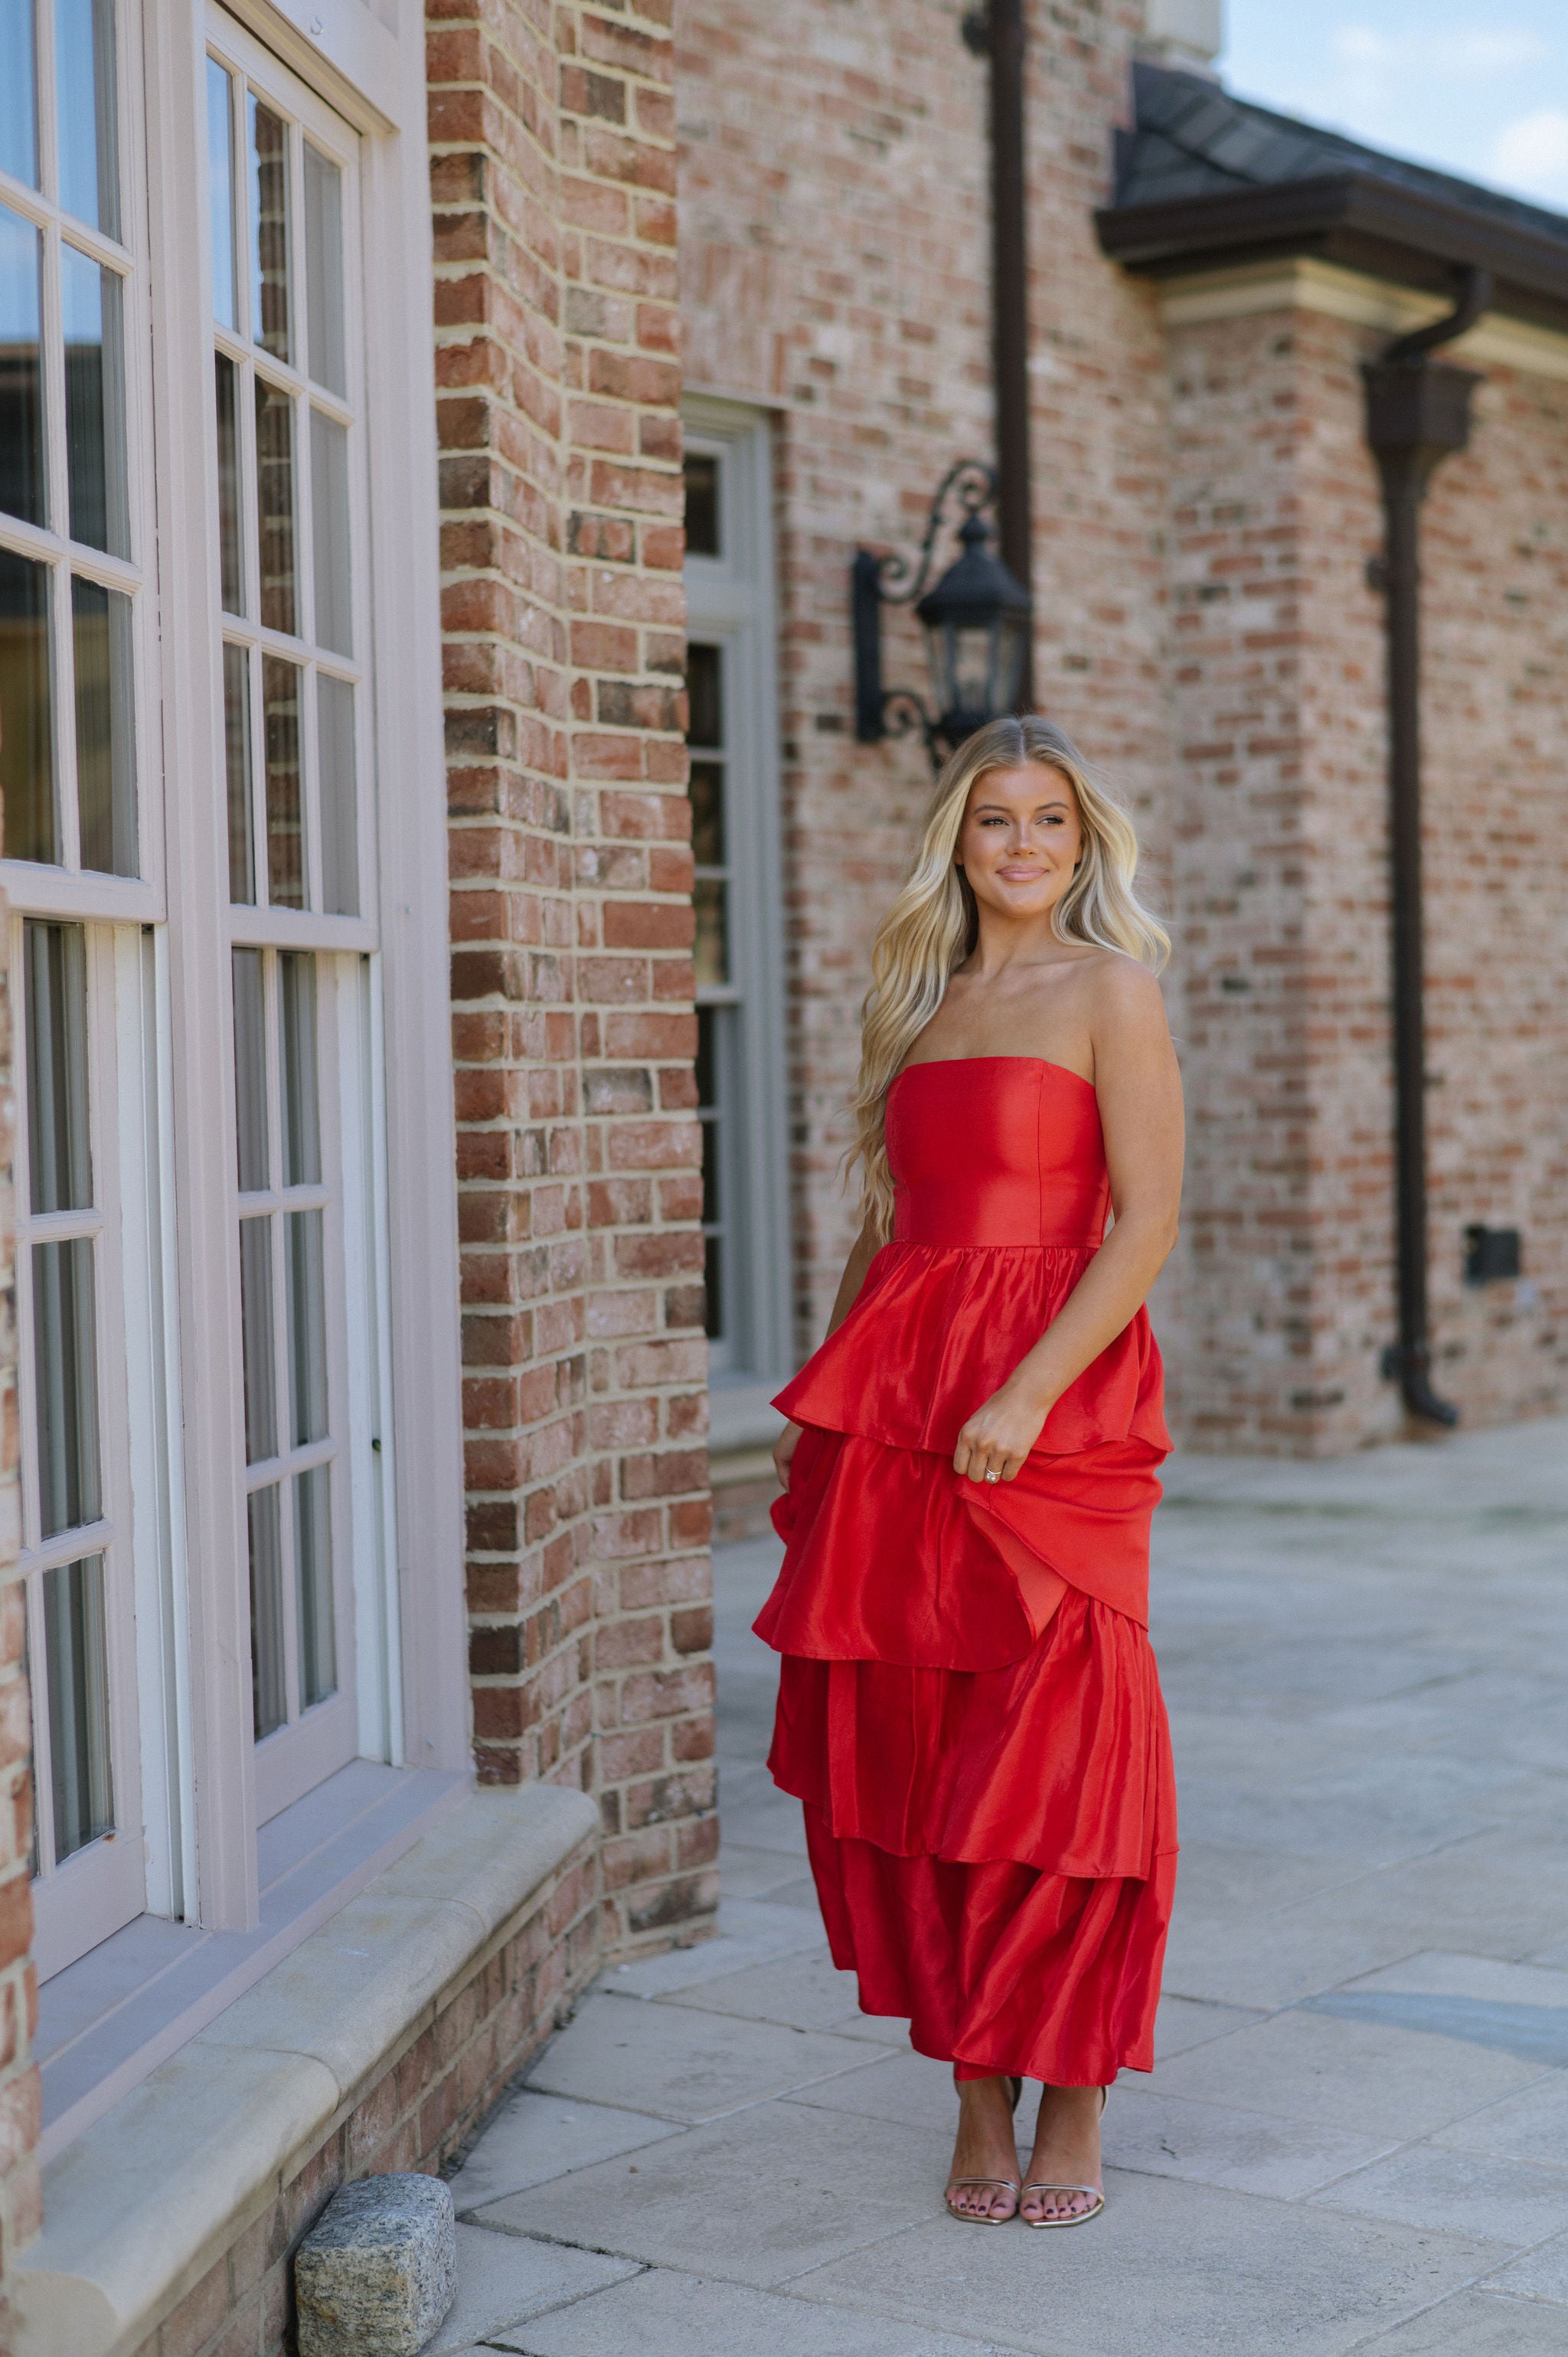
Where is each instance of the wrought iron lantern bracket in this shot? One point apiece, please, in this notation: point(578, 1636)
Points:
point(977, 591)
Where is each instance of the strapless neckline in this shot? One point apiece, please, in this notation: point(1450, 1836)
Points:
point(937, 1063)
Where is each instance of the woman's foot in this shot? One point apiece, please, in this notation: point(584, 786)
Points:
point(1066, 2159)
point(986, 2150)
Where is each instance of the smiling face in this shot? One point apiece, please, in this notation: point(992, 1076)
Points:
point(1021, 839)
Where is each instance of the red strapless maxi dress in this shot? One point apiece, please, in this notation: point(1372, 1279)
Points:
point(968, 1703)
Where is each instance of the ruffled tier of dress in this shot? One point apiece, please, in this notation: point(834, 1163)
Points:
point(936, 1328)
point(981, 1745)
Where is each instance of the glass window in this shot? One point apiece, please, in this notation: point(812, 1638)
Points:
point(22, 480)
point(27, 700)
point(285, 1289)
point(702, 505)
point(270, 208)
point(221, 191)
point(324, 271)
point(105, 733)
point(88, 113)
point(68, 621)
point(18, 92)
point(65, 1485)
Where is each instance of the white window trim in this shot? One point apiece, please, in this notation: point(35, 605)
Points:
point(733, 599)
point(417, 1272)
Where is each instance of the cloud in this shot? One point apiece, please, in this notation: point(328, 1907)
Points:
point(1532, 152)
point(1450, 56)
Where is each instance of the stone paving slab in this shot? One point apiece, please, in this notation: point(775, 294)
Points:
point(1167, 2136)
point(1540, 2275)
point(751, 1933)
point(659, 2310)
point(500, 2281)
point(1474, 2324)
point(1355, 2075)
point(758, 2198)
point(686, 2065)
point(1531, 2125)
point(1169, 2266)
point(803, 1992)
point(1356, 2136)
point(535, 2136)
point(1427, 2185)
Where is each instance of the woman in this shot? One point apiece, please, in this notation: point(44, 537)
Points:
point(968, 1705)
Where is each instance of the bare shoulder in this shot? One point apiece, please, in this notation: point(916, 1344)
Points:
point(1123, 998)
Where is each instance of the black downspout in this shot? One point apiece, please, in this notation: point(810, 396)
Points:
point(997, 32)
point(1418, 411)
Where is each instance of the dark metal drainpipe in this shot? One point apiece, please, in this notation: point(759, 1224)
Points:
point(1418, 411)
point(997, 32)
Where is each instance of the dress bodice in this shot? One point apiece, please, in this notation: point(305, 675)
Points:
point(996, 1150)
point(1000, 1198)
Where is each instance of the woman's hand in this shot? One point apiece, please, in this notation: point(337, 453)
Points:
point(998, 1437)
point(783, 1450)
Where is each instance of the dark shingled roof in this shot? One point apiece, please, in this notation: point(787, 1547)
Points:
point(1204, 177)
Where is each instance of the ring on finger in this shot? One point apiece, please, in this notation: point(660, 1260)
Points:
point(993, 1473)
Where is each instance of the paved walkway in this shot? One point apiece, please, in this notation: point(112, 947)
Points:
point(1357, 2134)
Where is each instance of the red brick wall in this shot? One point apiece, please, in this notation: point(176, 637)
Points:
point(1282, 889)
point(553, 162)
point(19, 2212)
point(835, 263)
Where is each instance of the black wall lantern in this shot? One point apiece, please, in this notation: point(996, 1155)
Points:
point(976, 620)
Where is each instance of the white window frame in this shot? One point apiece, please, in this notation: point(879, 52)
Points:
point(731, 600)
point(175, 1317)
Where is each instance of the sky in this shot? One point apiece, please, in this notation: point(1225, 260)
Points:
point(1481, 90)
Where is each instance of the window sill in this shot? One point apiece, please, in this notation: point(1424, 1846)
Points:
point(136, 2213)
point(109, 2019)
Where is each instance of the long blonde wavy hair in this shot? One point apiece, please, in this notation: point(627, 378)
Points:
point(934, 923)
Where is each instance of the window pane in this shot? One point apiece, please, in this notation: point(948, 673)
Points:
point(710, 898)
point(702, 506)
point(269, 230)
point(93, 302)
point(237, 765)
point(324, 271)
point(249, 1070)
point(26, 735)
point(269, 1694)
point(105, 732)
point(221, 191)
point(76, 1652)
point(21, 370)
point(702, 685)
point(330, 533)
point(18, 92)
point(230, 543)
point(296, 1026)
point(65, 1384)
point(313, 1585)
point(286, 843)
point(708, 790)
point(307, 1328)
point(338, 787)
point(58, 1154)
point(256, 1339)
point(274, 506)
point(84, 87)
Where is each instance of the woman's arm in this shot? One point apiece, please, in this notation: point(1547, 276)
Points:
point(1139, 1089)
point(864, 1253)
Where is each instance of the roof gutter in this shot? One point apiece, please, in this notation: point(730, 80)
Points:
point(1381, 227)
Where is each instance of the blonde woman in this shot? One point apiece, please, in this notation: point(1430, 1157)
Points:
point(968, 1705)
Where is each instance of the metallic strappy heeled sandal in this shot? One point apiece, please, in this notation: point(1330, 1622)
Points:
point(1008, 2184)
point(1079, 2217)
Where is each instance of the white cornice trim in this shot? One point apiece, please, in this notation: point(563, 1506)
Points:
point(1304, 284)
